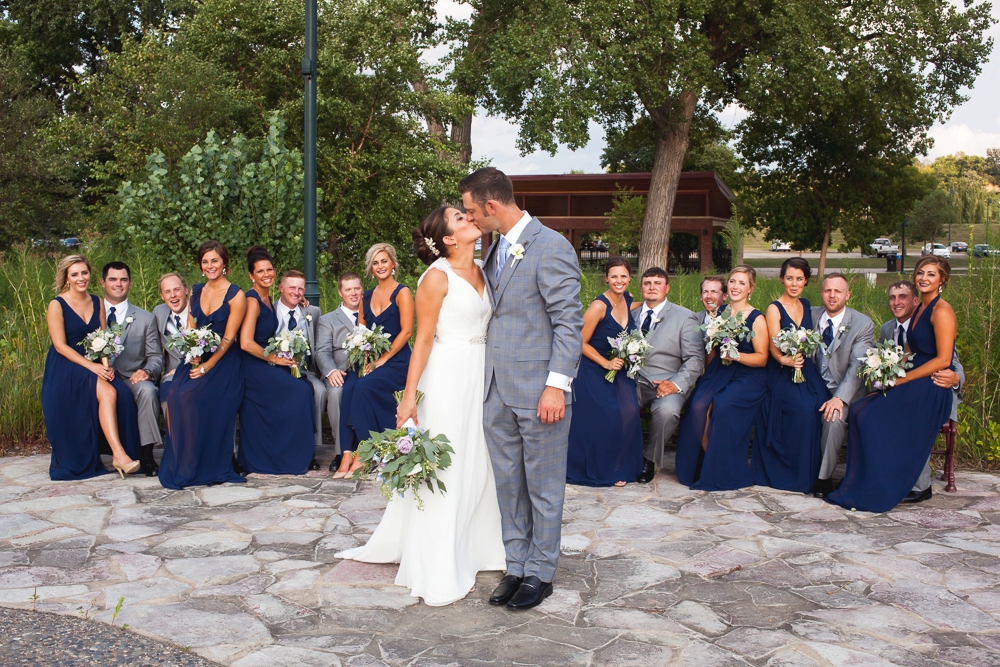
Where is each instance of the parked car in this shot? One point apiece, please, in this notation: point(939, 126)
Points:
point(939, 249)
point(71, 243)
point(884, 247)
point(984, 250)
point(781, 246)
point(42, 243)
point(960, 246)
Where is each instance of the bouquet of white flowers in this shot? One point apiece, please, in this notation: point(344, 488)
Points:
point(194, 343)
point(103, 345)
point(364, 346)
point(292, 345)
point(633, 348)
point(724, 332)
point(882, 365)
point(798, 340)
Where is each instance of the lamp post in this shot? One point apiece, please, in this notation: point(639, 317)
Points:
point(902, 247)
point(951, 215)
point(309, 207)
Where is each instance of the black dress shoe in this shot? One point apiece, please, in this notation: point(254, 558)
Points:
point(314, 465)
point(335, 463)
point(506, 590)
point(822, 488)
point(648, 472)
point(531, 594)
point(918, 496)
point(147, 463)
point(237, 468)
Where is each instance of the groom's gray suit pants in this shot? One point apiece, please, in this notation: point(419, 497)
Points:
point(529, 463)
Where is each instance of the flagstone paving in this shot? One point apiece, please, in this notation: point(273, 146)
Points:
point(650, 575)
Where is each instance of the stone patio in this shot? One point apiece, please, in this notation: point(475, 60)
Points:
point(651, 575)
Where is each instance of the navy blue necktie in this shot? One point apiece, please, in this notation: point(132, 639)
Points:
point(646, 323)
point(355, 319)
point(828, 333)
point(111, 316)
point(291, 321)
point(177, 323)
point(900, 336)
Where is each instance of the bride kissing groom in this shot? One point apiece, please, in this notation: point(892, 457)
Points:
point(498, 345)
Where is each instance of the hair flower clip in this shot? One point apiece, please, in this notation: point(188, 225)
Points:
point(430, 244)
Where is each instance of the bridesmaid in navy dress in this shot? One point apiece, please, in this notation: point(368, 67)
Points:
point(82, 398)
point(203, 400)
point(713, 440)
point(788, 454)
point(278, 411)
point(368, 402)
point(885, 453)
point(605, 435)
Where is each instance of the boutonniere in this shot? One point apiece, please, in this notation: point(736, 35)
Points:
point(844, 329)
point(517, 252)
point(657, 320)
point(129, 320)
point(309, 318)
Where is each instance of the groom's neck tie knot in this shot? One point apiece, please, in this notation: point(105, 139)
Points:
point(502, 253)
point(647, 323)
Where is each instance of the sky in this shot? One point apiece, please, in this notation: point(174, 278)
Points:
point(972, 128)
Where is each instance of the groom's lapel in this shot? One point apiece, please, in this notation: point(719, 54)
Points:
point(526, 239)
point(125, 323)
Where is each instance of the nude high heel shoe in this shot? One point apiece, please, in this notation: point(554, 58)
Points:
point(122, 470)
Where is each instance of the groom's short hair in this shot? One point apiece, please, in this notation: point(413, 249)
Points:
point(657, 272)
point(486, 184)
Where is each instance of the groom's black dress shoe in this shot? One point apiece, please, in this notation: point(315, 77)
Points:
point(506, 590)
point(335, 463)
point(237, 468)
point(918, 496)
point(314, 464)
point(147, 463)
point(822, 488)
point(531, 594)
point(648, 472)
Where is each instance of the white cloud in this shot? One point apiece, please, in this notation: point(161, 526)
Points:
point(959, 137)
point(496, 140)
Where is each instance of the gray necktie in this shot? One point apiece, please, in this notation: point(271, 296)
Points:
point(502, 252)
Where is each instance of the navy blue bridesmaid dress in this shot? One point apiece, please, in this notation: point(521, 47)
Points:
point(69, 404)
point(735, 394)
point(890, 435)
point(605, 435)
point(372, 397)
point(278, 411)
point(788, 455)
point(202, 411)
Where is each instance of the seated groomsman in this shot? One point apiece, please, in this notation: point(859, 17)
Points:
point(171, 317)
point(847, 334)
point(713, 297)
point(292, 314)
point(903, 302)
point(141, 362)
point(677, 359)
point(331, 357)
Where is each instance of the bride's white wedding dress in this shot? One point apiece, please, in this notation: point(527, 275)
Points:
point(441, 548)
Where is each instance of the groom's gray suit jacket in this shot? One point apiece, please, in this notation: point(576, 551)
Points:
point(839, 369)
point(141, 341)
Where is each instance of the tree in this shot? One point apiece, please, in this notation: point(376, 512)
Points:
point(615, 62)
point(930, 216)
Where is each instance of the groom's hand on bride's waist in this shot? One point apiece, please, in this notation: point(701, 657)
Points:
point(552, 405)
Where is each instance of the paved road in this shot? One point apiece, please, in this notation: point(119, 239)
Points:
point(651, 575)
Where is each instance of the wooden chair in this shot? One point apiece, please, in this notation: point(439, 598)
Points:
point(950, 433)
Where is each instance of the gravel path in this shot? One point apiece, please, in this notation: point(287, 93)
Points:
point(40, 638)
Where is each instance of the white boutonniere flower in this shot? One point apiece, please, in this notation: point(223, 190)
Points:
point(844, 329)
point(517, 252)
point(309, 318)
point(657, 320)
point(129, 320)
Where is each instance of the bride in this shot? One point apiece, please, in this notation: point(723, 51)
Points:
point(441, 548)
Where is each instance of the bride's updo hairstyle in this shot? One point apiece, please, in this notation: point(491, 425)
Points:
point(428, 238)
point(257, 253)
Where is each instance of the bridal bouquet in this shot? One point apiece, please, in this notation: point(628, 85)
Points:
point(403, 460)
point(882, 365)
point(364, 346)
point(633, 348)
point(194, 343)
point(103, 344)
point(798, 340)
point(292, 345)
point(725, 331)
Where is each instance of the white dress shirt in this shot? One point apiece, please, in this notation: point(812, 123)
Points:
point(905, 326)
point(120, 310)
point(836, 319)
point(352, 315)
point(282, 311)
point(172, 323)
point(557, 380)
point(656, 313)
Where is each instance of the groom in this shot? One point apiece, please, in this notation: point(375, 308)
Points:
point(532, 354)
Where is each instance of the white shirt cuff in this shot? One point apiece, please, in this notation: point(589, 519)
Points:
point(559, 381)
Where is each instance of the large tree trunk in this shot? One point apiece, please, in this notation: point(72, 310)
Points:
point(461, 136)
point(825, 247)
point(673, 127)
point(434, 125)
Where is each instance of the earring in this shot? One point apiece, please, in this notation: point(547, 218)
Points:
point(394, 272)
point(223, 271)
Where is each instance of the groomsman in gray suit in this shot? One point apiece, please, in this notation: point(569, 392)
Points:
point(535, 339)
point(903, 302)
point(141, 362)
point(292, 314)
point(713, 297)
point(677, 360)
point(331, 356)
point(171, 317)
point(847, 334)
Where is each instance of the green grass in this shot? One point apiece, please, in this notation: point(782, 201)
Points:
point(26, 289)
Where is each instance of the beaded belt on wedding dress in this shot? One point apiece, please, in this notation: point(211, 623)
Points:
point(451, 340)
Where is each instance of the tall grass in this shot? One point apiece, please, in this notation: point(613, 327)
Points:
point(26, 289)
